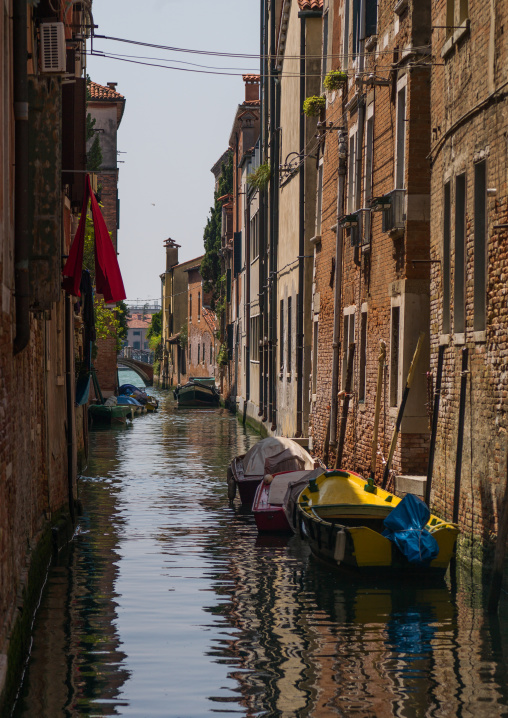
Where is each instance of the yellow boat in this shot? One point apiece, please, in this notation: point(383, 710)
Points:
point(341, 514)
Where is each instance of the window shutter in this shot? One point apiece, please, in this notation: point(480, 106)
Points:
point(228, 285)
point(229, 329)
point(237, 253)
point(370, 18)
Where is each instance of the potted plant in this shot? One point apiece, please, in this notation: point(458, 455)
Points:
point(260, 177)
point(314, 105)
point(334, 80)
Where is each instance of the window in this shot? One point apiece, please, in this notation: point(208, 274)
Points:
point(190, 307)
point(459, 296)
point(211, 356)
point(324, 60)
point(315, 356)
point(369, 171)
point(203, 355)
point(400, 143)
point(351, 195)
point(345, 37)
point(480, 246)
point(137, 334)
point(356, 26)
point(254, 236)
point(281, 336)
point(394, 357)
point(136, 345)
point(199, 348)
point(446, 259)
point(254, 338)
point(199, 306)
point(289, 336)
point(348, 338)
point(457, 11)
point(363, 356)
point(319, 199)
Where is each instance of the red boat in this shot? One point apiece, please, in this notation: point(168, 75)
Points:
point(269, 506)
point(269, 456)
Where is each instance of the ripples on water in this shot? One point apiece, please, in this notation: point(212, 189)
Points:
point(167, 603)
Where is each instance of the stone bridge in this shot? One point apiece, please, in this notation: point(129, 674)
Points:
point(144, 370)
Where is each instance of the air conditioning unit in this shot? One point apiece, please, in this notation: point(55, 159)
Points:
point(53, 49)
point(394, 216)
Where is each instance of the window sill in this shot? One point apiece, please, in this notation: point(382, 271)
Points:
point(444, 340)
point(460, 33)
point(362, 406)
point(371, 42)
point(400, 7)
point(459, 339)
point(480, 337)
point(315, 240)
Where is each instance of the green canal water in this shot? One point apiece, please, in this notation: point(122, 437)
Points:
point(168, 603)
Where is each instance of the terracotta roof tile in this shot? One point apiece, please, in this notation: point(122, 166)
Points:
point(139, 323)
point(310, 4)
point(99, 92)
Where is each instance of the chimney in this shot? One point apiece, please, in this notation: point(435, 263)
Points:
point(251, 87)
point(112, 85)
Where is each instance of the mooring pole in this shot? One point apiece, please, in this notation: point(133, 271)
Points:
point(402, 406)
point(345, 406)
point(500, 551)
point(460, 435)
point(435, 416)
point(377, 411)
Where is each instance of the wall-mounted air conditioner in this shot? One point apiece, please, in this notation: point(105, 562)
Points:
point(394, 215)
point(53, 49)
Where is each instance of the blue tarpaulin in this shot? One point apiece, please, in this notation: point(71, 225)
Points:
point(405, 527)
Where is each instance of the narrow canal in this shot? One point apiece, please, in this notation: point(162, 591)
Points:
point(168, 603)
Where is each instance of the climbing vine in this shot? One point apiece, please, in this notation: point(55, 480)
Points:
point(211, 264)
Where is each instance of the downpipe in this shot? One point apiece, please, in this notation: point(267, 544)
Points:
point(301, 242)
point(337, 304)
point(21, 228)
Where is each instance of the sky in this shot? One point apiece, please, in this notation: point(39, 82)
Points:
point(176, 124)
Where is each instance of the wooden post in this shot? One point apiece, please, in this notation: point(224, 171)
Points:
point(402, 406)
point(345, 406)
point(460, 435)
point(500, 552)
point(435, 417)
point(377, 412)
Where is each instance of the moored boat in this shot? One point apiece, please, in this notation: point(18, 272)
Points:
point(102, 414)
point(270, 497)
point(197, 392)
point(272, 455)
point(350, 522)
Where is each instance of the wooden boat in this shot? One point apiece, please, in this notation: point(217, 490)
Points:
point(197, 393)
point(101, 414)
point(342, 516)
point(268, 505)
point(272, 455)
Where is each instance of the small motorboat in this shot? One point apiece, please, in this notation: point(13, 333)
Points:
point(350, 522)
point(198, 392)
point(117, 414)
point(130, 401)
point(269, 502)
point(272, 455)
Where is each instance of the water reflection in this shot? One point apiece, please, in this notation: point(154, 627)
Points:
point(170, 604)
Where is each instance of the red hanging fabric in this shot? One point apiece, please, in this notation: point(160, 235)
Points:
point(108, 278)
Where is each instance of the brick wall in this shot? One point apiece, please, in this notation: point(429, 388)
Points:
point(474, 65)
point(377, 277)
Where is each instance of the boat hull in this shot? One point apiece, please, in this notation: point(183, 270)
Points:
point(197, 395)
point(348, 535)
point(268, 517)
point(101, 414)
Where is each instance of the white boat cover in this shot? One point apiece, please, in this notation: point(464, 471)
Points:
point(280, 483)
point(279, 452)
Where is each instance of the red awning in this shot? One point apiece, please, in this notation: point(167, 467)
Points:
point(108, 278)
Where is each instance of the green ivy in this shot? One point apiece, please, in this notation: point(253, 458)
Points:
point(211, 264)
point(223, 355)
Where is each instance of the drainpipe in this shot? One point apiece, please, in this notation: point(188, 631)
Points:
point(247, 299)
point(273, 221)
point(301, 241)
point(21, 228)
point(337, 304)
point(361, 124)
point(69, 392)
point(275, 243)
